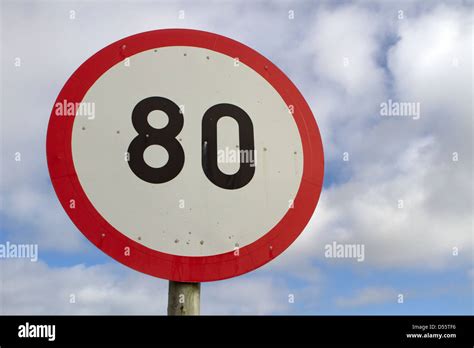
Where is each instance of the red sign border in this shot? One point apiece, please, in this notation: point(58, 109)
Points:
point(138, 256)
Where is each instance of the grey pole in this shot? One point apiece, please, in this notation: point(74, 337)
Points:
point(184, 298)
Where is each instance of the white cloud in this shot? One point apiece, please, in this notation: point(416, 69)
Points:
point(368, 296)
point(35, 288)
point(344, 42)
point(435, 218)
point(432, 64)
point(245, 295)
point(398, 159)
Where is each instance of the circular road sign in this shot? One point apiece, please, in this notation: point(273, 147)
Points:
point(185, 155)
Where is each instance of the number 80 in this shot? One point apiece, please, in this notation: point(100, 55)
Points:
point(166, 137)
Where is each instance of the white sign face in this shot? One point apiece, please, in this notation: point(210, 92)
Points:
point(180, 209)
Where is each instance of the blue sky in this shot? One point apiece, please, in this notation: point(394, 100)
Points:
point(346, 58)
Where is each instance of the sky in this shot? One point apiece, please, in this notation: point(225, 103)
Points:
point(399, 186)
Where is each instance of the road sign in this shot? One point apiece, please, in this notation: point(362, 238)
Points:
point(185, 155)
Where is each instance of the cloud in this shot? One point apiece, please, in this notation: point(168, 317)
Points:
point(36, 288)
point(346, 75)
point(367, 296)
point(345, 55)
point(248, 295)
point(397, 159)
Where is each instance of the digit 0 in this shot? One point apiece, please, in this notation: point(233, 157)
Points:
point(209, 146)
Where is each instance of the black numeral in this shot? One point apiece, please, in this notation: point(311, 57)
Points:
point(166, 137)
point(209, 146)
